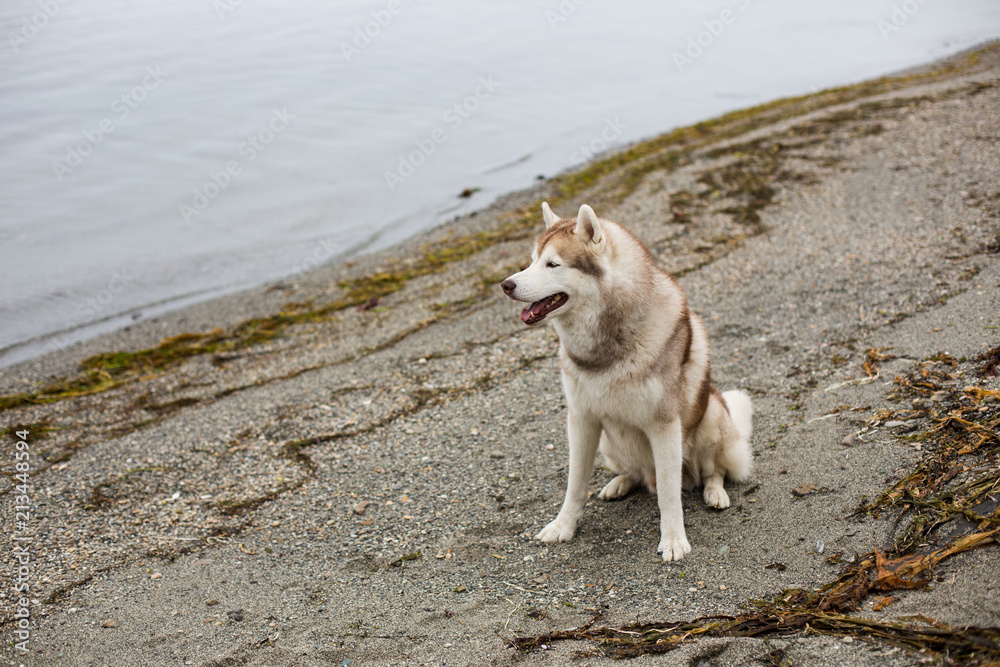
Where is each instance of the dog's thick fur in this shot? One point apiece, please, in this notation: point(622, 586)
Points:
point(635, 369)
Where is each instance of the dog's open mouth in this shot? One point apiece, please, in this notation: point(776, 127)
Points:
point(537, 311)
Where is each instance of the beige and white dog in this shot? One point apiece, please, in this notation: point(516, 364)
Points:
point(635, 369)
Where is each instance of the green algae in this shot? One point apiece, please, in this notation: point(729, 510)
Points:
point(35, 430)
point(749, 180)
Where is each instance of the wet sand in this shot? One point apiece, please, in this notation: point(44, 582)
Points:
point(350, 466)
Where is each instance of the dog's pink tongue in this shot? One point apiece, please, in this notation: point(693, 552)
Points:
point(535, 311)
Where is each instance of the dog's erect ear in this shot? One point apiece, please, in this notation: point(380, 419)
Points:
point(588, 227)
point(550, 217)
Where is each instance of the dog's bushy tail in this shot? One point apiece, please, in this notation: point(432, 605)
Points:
point(741, 410)
point(738, 455)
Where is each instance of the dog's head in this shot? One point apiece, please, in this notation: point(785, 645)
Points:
point(567, 266)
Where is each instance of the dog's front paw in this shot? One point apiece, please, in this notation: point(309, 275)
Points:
point(560, 530)
point(716, 497)
point(673, 548)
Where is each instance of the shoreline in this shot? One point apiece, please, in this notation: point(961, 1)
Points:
point(67, 340)
point(351, 468)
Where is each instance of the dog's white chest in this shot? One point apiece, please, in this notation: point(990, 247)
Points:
point(611, 398)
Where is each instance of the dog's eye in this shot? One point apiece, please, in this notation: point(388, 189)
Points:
point(551, 265)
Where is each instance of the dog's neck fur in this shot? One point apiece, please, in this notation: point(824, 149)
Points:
point(617, 328)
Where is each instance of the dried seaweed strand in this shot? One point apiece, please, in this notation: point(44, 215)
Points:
point(964, 426)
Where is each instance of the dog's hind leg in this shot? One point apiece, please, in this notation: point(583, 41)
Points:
point(619, 487)
point(615, 447)
point(724, 450)
point(712, 476)
point(715, 494)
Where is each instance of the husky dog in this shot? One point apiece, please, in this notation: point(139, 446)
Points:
point(636, 373)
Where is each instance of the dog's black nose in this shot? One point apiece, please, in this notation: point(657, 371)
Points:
point(508, 286)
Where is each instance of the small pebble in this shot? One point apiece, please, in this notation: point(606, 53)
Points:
point(724, 549)
point(212, 602)
point(819, 547)
point(361, 507)
point(156, 575)
point(497, 454)
point(109, 624)
point(848, 440)
point(848, 640)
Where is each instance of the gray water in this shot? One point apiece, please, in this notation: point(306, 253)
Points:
point(155, 154)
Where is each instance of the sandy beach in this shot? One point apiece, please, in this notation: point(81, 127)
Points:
point(347, 468)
